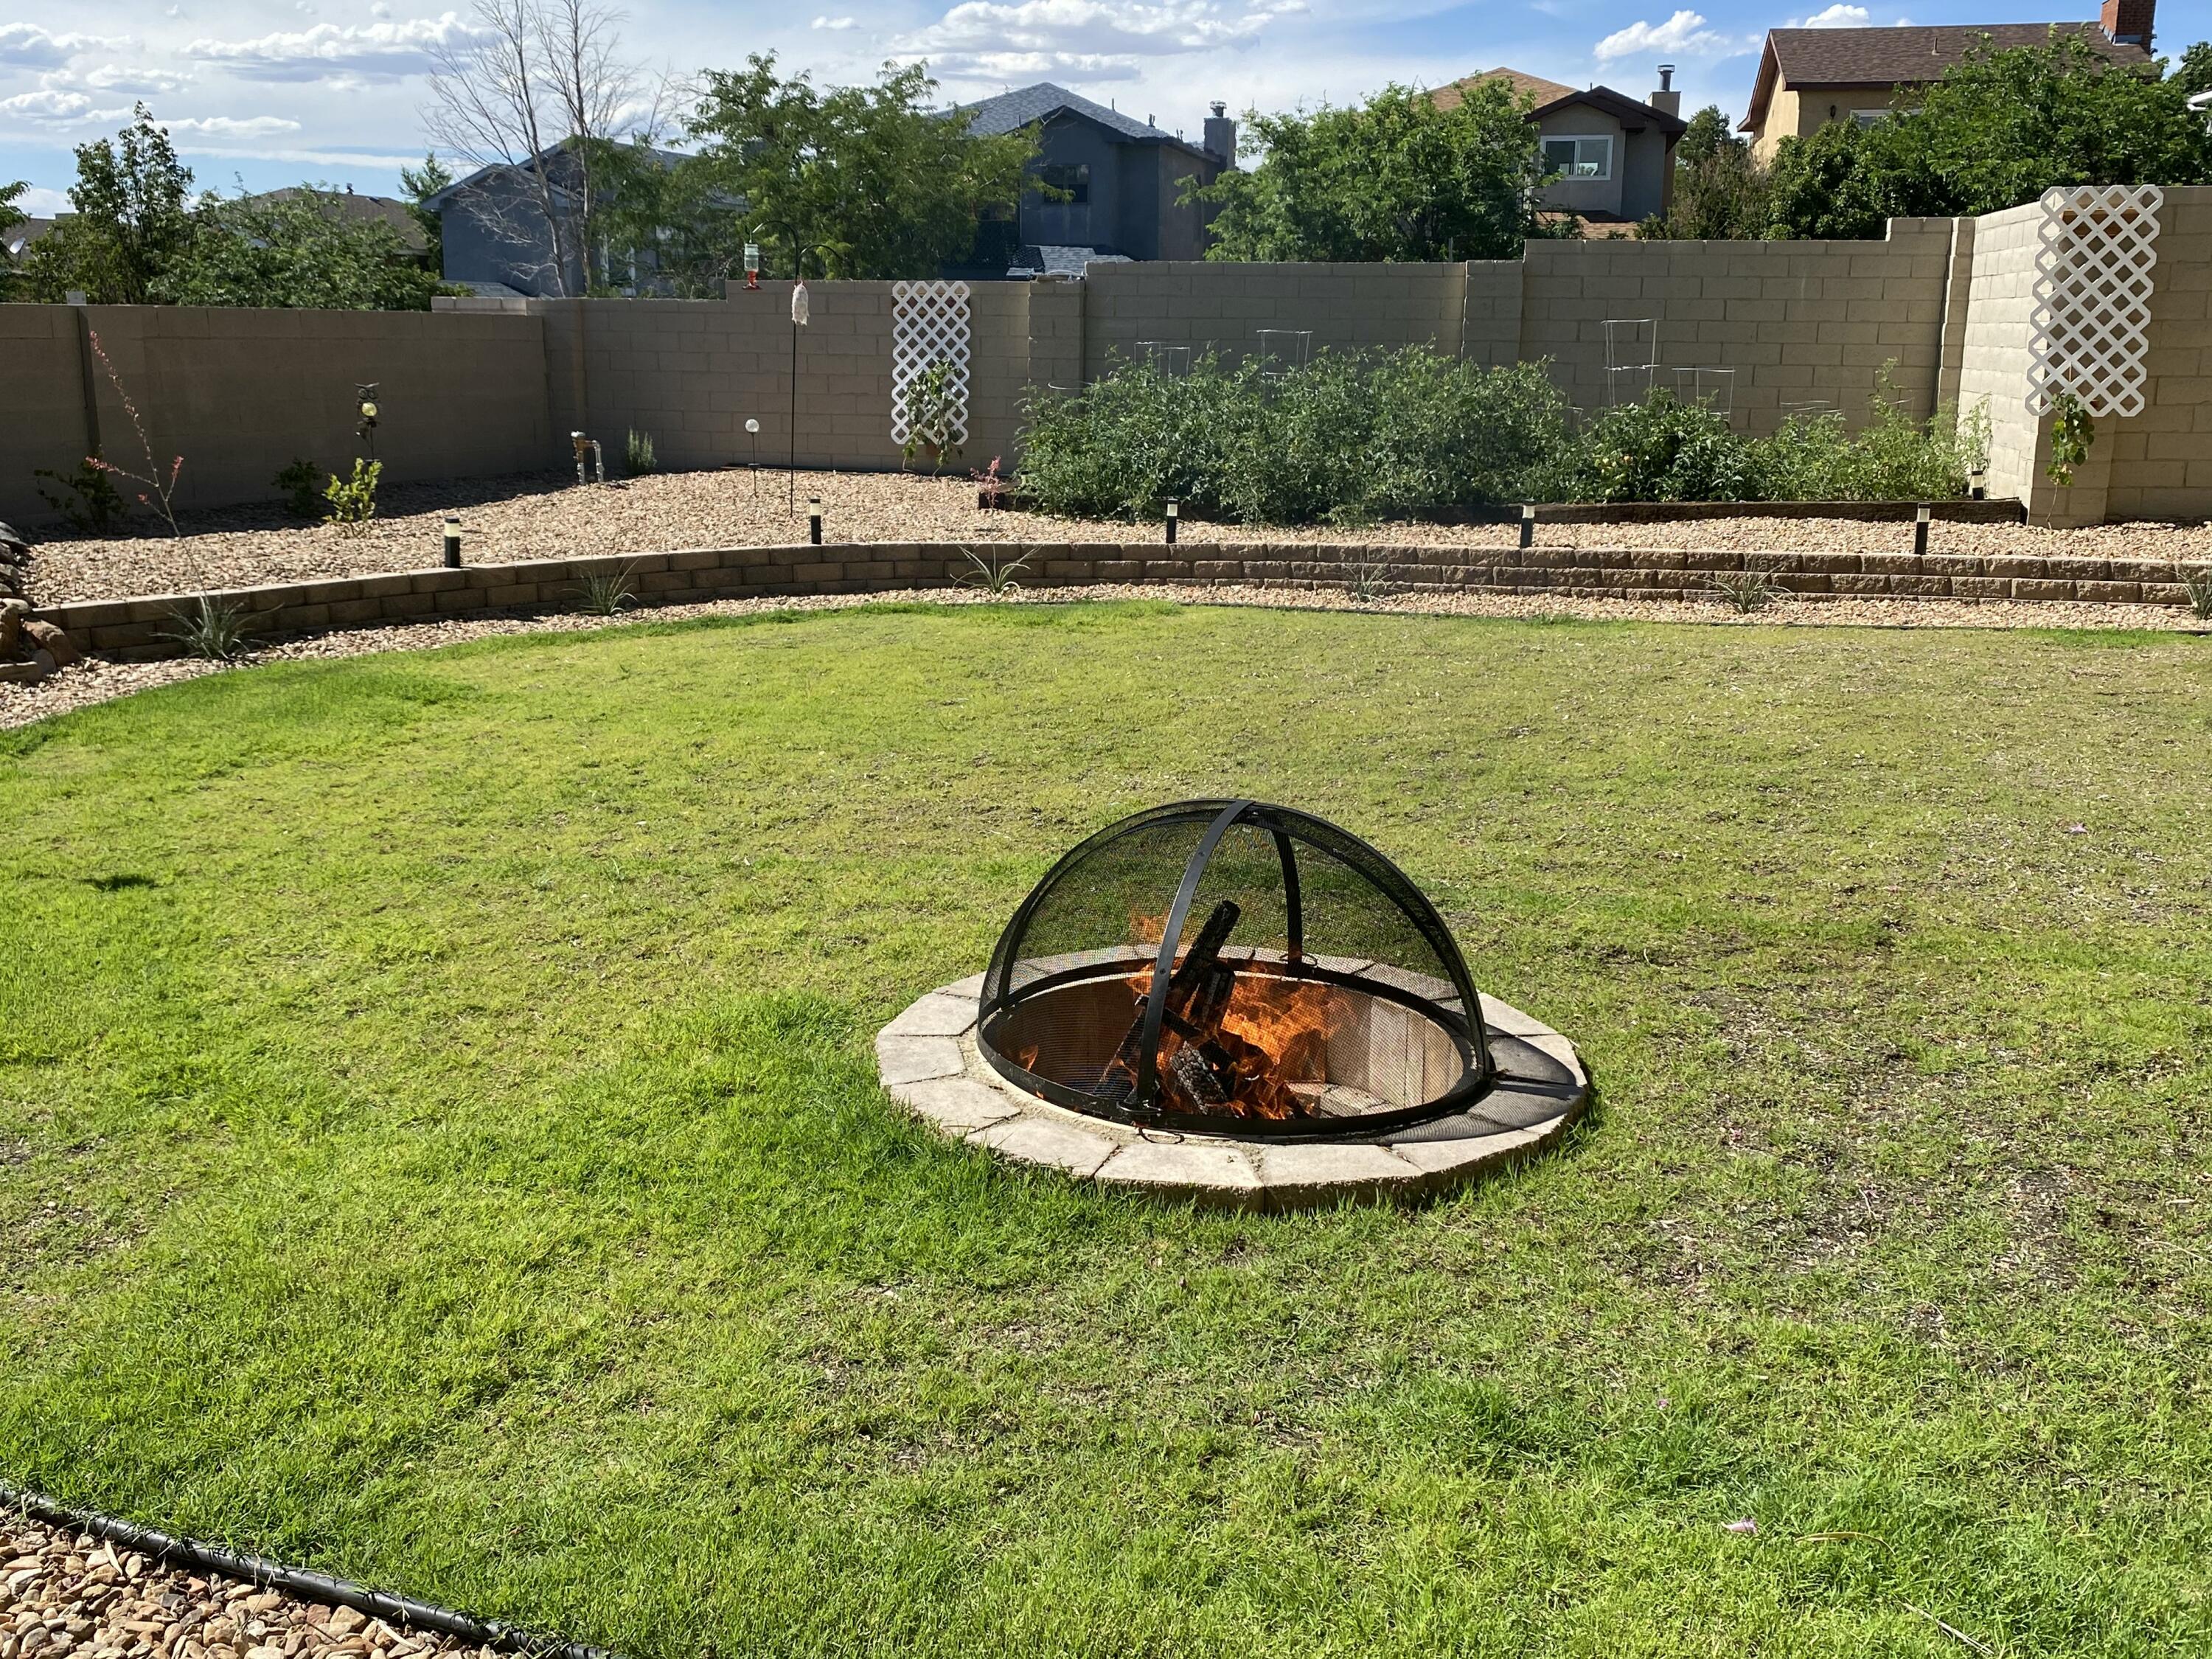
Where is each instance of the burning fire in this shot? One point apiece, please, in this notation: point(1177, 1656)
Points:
point(1237, 1036)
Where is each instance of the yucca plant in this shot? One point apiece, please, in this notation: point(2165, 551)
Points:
point(1744, 591)
point(210, 628)
point(997, 575)
point(607, 594)
point(2198, 585)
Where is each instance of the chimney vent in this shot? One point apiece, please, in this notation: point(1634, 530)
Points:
point(1220, 134)
point(1667, 101)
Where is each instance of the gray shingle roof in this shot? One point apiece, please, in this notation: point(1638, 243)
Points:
point(1010, 111)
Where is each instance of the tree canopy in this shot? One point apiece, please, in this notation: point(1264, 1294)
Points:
point(1720, 192)
point(139, 236)
point(1396, 178)
point(846, 181)
point(1994, 132)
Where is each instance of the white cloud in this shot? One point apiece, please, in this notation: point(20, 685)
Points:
point(983, 39)
point(43, 204)
point(837, 22)
point(225, 126)
point(377, 51)
point(54, 108)
point(1843, 16)
point(32, 46)
point(136, 78)
point(1682, 35)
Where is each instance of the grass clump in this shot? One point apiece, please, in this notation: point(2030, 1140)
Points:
point(2196, 588)
point(607, 592)
point(639, 455)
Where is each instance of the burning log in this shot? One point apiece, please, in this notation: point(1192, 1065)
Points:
point(1200, 986)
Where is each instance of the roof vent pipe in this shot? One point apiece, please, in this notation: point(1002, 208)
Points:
point(1667, 101)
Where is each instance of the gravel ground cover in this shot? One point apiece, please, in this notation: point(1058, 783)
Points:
point(98, 680)
point(541, 517)
point(62, 1594)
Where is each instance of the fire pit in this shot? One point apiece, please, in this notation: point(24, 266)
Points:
point(1238, 1001)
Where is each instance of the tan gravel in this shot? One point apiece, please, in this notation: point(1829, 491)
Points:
point(511, 519)
point(67, 1596)
point(99, 681)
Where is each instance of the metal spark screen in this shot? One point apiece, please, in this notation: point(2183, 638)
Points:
point(1231, 967)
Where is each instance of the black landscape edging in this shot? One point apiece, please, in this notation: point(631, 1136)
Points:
point(401, 1611)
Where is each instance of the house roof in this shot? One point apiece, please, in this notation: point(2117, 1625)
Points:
point(20, 236)
point(1010, 111)
point(1550, 96)
point(552, 155)
point(1903, 56)
point(346, 205)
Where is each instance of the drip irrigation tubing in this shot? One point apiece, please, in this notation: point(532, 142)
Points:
point(401, 1611)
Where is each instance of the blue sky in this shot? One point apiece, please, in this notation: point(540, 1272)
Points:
point(275, 92)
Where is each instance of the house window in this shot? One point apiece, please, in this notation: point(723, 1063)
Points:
point(1072, 179)
point(1579, 158)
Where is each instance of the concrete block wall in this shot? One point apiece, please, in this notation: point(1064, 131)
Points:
point(1993, 367)
point(692, 371)
point(1490, 322)
point(2158, 464)
point(44, 426)
point(1223, 307)
point(1799, 322)
point(241, 393)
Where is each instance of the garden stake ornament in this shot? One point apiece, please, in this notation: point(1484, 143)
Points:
point(364, 398)
point(800, 313)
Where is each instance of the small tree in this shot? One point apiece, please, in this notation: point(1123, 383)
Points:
point(1396, 178)
point(1720, 192)
point(132, 221)
point(420, 184)
point(855, 181)
point(299, 250)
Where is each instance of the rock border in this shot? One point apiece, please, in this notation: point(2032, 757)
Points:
point(930, 1064)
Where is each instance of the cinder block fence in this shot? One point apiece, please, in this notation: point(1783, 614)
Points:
point(1940, 312)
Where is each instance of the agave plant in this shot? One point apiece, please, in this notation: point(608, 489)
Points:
point(210, 628)
point(1744, 591)
point(996, 575)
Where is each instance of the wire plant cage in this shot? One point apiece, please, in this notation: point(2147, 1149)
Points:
point(1230, 967)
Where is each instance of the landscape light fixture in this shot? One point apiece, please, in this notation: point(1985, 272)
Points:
point(1977, 481)
point(1920, 533)
point(1171, 523)
point(814, 520)
point(752, 431)
point(452, 543)
point(1527, 525)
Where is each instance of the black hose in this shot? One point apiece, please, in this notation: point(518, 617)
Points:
point(401, 1611)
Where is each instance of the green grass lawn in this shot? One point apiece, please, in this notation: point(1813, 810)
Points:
point(438, 1143)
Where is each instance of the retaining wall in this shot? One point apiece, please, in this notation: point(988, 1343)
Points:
point(138, 629)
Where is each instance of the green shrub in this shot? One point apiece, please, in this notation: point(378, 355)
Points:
point(353, 501)
point(300, 482)
point(90, 500)
point(1353, 438)
point(639, 454)
point(1346, 438)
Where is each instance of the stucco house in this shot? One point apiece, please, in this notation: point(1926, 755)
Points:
point(494, 239)
point(1613, 156)
point(1809, 77)
point(1117, 181)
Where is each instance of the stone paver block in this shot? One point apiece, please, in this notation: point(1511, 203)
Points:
point(1322, 1171)
point(913, 1058)
point(957, 1105)
point(1217, 1176)
point(1039, 1141)
point(935, 1015)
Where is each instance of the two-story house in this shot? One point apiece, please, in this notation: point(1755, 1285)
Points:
point(1115, 183)
point(1611, 157)
point(1809, 77)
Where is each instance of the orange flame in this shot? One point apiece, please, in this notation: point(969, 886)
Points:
point(1273, 1034)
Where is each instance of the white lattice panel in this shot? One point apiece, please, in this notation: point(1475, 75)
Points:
point(2090, 327)
point(929, 324)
